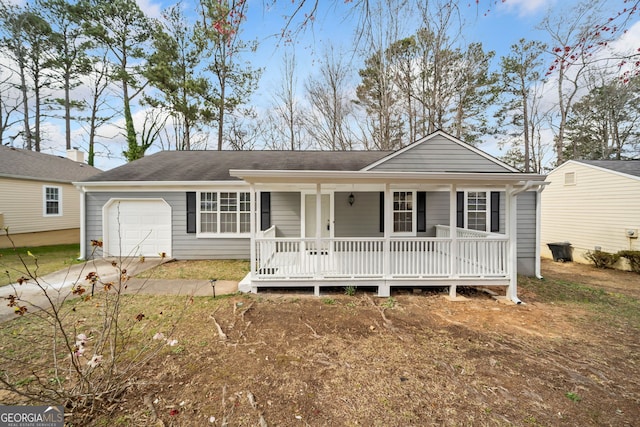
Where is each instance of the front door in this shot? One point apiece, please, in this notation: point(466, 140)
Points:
point(310, 215)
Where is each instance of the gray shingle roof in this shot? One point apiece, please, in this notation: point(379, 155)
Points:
point(19, 163)
point(630, 167)
point(211, 165)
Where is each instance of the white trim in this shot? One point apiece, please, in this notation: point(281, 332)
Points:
point(156, 186)
point(83, 224)
point(487, 211)
point(383, 177)
point(44, 201)
point(414, 214)
point(303, 211)
point(450, 138)
point(218, 212)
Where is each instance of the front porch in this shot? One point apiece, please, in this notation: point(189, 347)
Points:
point(472, 258)
point(384, 230)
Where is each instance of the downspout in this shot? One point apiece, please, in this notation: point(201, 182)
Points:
point(512, 221)
point(83, 225)
point(252, 230)
point(453, 240)
point(538, 230)
point(513, 232)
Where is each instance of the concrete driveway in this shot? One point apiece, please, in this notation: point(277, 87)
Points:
point(58, 285)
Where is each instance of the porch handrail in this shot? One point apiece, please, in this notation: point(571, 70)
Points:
point(445, 231)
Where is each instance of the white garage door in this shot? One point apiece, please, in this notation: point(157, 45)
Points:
point(138, 227)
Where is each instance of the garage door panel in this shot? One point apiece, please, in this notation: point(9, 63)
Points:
point(138, 227)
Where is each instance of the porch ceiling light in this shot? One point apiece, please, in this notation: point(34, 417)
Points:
point(351, 199)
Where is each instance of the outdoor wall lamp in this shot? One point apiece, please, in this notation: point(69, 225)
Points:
point(351, 199)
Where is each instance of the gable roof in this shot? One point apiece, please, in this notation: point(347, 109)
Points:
point(209, 165)
point(628, 167)
point(441, 152)
point(26, 164)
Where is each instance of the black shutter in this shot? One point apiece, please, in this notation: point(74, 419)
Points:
point(382, 212)
point(422, 210)
point(495, 211)
point(265, 210)
point(191, 212)
point(460, 209)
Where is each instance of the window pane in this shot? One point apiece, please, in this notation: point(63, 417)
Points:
point(52, 208)
point(245, 202)
point(228, 222)
point(245, 222)
point(208, 202)
point(477, 210)
point(228, 202)
point(402, 211)
point(52, 200)
point(208, 223)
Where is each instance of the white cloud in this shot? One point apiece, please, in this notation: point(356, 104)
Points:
point(150, 8)
point(525, 7)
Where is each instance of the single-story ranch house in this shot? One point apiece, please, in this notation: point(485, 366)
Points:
point(319, 218)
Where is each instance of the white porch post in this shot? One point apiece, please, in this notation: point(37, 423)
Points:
point(252, 229)
point(512, 232)
point(316, 288)
point(384, 289)
point(453, 236)
point(538, 273)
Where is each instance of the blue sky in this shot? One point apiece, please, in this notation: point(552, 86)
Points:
point(496, 23)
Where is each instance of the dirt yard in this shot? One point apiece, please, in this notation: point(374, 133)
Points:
point(415, 359)
point(570, 356)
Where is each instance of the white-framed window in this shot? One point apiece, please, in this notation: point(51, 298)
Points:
point(52, 201)
point(224, 213)
point(478, 212)
point(404, 215)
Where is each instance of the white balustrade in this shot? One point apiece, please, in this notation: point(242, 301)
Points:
point(422, 258)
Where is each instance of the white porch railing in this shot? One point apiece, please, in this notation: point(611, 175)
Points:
point(422, 258)
point(445, 231)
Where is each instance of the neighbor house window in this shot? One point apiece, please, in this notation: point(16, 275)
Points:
point(225, 212)
point(403, 211)
point(52, 201)
point(477, 210)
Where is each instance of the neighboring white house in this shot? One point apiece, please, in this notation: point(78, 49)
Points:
point(327, 218)
point(38, 202)
point(593, 205)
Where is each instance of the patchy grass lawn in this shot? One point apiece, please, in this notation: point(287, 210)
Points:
point(570, 356)
point(202, 269)
point(49, 259)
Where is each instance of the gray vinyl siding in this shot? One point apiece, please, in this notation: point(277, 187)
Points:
point(184, 245)
point(360, 220)
point(440, 155)
point(437, 211)
point(527, 233)
point(285, 213)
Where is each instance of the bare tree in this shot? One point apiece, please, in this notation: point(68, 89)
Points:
point(577, 39)
point(9, 104)
point(331, 109)
point(287, 117)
